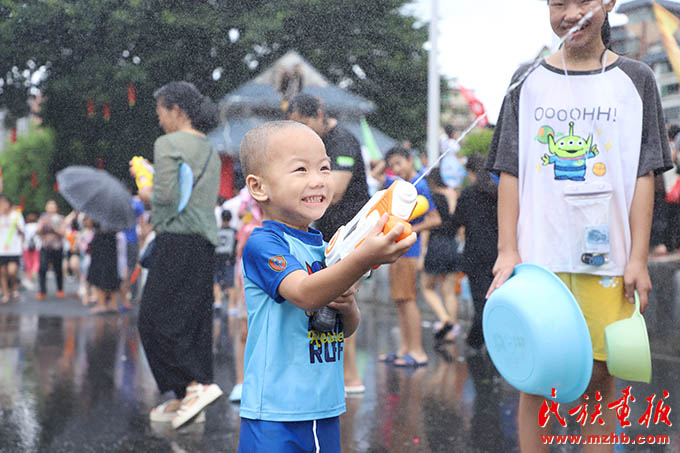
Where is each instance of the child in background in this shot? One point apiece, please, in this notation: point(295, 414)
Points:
point(11, 245)
point(31, 250)
point(404, 272)
point(224, 260)
point(293, 391)
point(608, 108)
point(476, 211)
point(442, 260)
point(51, 233)
point(87, 295)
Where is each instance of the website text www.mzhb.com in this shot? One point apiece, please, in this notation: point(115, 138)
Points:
point(605, 439)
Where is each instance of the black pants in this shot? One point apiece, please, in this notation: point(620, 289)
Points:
point(480, 280)
point(175, 315)
point(53, 257)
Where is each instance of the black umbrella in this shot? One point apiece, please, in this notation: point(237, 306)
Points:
point(98, 195)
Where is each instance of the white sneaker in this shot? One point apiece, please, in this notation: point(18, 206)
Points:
point(198, 397)
point(159, 414)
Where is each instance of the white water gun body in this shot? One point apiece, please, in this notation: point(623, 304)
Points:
point(400, 201)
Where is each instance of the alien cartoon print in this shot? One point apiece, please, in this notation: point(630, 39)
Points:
point(569, 154)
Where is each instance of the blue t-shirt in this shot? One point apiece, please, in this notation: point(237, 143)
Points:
point(131, 233)
point(424, 190)
point(292, 372)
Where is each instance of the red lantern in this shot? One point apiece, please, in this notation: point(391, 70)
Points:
point(90, 108)
point(56, 186)
point(131, 96)
point(34, 180)
point(100, 162)
point(13, 135)
point(106, 111)
point(22, 203)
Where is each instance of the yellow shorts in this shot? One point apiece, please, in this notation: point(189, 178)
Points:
point(602, 301)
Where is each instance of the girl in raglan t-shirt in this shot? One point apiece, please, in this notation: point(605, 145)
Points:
point(577, 144)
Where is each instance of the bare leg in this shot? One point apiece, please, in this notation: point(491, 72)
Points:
point(352, 378)
point(101, 301)
point(427, 282)
point(217, 294)
point(4, 284)
point(13, 279)
point(605, 383)
point(403, 328)
point(240, 350)
point(448, 288)
point(529, 429)
point(409, 321)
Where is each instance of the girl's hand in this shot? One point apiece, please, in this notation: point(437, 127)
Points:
point(636, 277)
point(379, 248)
point(505, 265)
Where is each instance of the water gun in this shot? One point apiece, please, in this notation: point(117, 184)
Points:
point(143, 171)
point(400, 202)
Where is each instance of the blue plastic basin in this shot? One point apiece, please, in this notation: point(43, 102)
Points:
point(537, 336)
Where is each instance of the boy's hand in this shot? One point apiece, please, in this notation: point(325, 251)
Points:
point(636, 277)
point(379, 248)
point(505, 265)
point(346, 304)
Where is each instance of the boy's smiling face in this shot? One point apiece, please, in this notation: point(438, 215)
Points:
point(296, 178)
point(401, 166)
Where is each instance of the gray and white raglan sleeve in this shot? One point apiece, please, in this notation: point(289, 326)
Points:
point(504, 149)
point(655, 152)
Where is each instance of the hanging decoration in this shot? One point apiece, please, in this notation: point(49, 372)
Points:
point(22, 203)
point(90, 108)
point(106, 111)
point(100, 162)
point(13, 135)
point(56, 186)
point(34, 180)
point(131, 96)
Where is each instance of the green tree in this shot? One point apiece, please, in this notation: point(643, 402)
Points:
point(92, 50)
point(477, 142)
point(26, 174)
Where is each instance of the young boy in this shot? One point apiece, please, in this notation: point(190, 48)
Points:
point(224, 259)
point(293, 391)
point(403, 273)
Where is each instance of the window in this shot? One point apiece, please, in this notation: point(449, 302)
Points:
point(670, 89)
point(671, 113)
point(663, 67)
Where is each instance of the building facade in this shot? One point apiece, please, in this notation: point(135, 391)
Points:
point(640, 39)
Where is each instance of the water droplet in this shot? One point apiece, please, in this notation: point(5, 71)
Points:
point(217, 73)
point(234, 34)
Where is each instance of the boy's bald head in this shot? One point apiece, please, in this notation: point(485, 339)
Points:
point(255, 144)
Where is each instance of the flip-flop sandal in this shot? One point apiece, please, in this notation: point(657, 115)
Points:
point(389, 358)
point(409, 362)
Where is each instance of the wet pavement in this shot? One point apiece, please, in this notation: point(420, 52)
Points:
point(72, 382)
